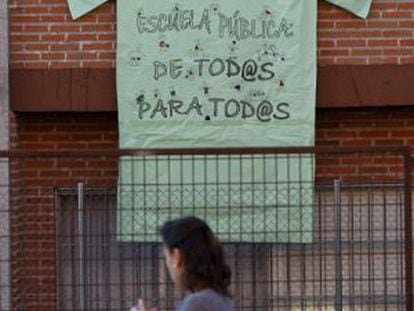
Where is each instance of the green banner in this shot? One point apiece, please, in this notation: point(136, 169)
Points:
point(358, 7)
point(79, 8)
point(209, 74)
point(217, 74)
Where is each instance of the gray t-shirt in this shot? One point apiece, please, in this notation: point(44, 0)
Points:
point(205, 300)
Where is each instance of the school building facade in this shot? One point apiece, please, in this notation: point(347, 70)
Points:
point(58, 93)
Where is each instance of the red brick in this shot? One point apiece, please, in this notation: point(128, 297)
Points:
point(372, 170)
point(62, 28)
point(407, 42)
point(341, 134)
point(81, 37)
point(86, 173)
point(351, 24)
point(326, 43)
point(52, 55)
point(383, 6)
point(373, 134)
point(383, 60)
point(70, 146)
point(107, 55)
point(389, 124)
point(36, 47)
point(382, 43)
point(399, 52)
point(71, 163)
point(405, 133)
point(352, 60)
point(397, 14)
point(406, 24)
point(366, 52)
point(83, 56)
point(52, 18)
point(52, 37)
point(87, 137)
point(356, 124)
point(334, 52)
point(382, 24)
point(35, 28)
point(64, 47)
point(397, 33)
point(407, 60)
point(405, 6)
point(337, 170)
point(36, 10)
point(351, 43)
point(357, 142)
point(389, 142)
point(54, 173)
point(97, 46)
point(97, 28)
point(25, 38)
point(357, 161)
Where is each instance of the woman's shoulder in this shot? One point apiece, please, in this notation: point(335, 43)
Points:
point(206, 300)
point(207, 294)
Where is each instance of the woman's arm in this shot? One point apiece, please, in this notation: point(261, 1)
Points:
point(140, 306)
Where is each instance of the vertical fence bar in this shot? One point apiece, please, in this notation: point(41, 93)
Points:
point(408, 231)
point(338, 259)
point(56, 211)
point(81, 287)
point(5, 236)
point(5, 204)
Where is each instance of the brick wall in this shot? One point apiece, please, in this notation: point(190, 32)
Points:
point(386, 37)
point(33, 184)
point(80, 131)
point(44, 35)
point(365, 126)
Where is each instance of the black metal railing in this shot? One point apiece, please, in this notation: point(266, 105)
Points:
point(303, 228)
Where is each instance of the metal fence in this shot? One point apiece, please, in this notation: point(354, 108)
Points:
point(303, 228)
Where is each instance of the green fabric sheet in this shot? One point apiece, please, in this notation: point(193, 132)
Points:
point(358, 7)
point(217, 74)
point(79, 8)
point(243, 199)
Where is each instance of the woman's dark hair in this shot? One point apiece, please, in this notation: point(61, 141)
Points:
point(204, 265)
